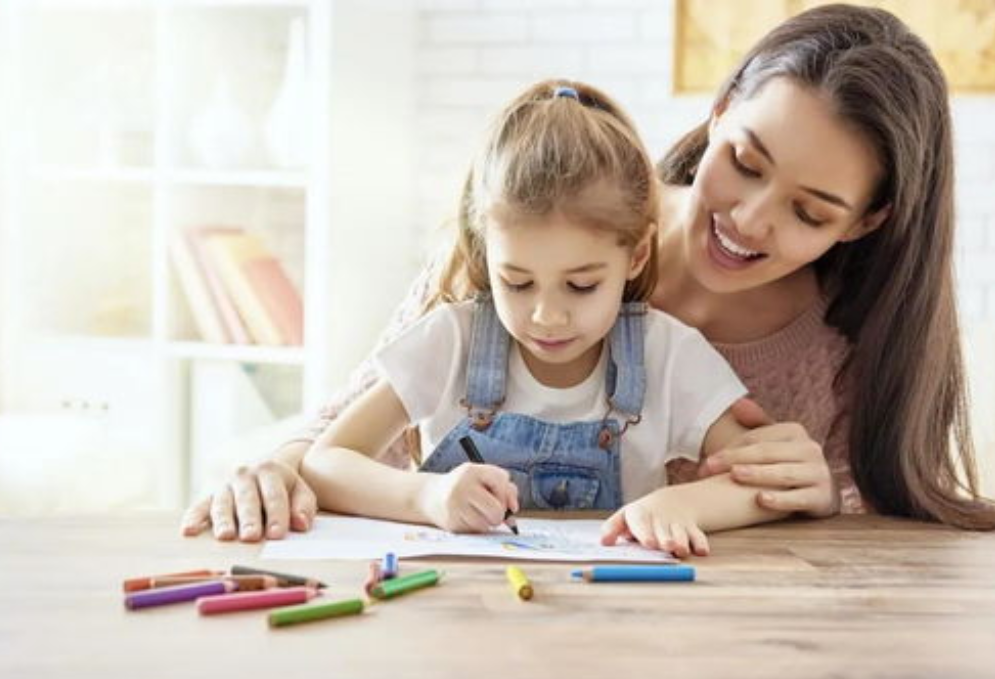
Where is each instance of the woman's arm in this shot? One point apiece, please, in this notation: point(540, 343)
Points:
point(268, 498)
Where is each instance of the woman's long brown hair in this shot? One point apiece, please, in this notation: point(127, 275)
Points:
point(892, 292)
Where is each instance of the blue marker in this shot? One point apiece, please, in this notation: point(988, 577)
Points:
point(388, 569)
point(674, 573)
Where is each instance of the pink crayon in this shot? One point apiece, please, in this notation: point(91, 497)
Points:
point(244, 601)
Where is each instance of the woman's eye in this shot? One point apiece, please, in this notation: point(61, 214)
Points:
point(583, 289)
point(517, 287)
point(807, 218)
point(740, 167)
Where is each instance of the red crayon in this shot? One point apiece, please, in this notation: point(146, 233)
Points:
point(244, 601)
point(374, 577)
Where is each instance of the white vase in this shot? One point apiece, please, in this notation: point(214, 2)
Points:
point(221, 134)
point(286, 128)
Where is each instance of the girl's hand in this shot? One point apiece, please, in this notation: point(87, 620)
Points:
point(270, 494)
point(657, 521)
point(782, 459)
point(471, 498)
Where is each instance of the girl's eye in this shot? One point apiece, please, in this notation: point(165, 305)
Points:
point(807, 218)
point(518, 287)
point(583, 289)
point(740, 167)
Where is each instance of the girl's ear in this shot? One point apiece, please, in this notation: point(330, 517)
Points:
point(867, 224)
point(641, 253)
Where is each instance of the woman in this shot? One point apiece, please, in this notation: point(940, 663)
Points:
point(807, 232)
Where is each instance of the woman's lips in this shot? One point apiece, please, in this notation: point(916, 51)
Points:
point(552, 345)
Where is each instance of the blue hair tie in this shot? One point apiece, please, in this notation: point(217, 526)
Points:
point(564, 91)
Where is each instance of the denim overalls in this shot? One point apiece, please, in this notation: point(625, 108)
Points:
point(555, 466)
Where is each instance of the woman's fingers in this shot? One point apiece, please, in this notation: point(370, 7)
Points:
point(275, 502)
point(303, 506)
point(783, 475)
point(699, 541)
point(223, 514)
point(813, 500)
point(749, 414)
point(772, 451)
point(197, 518)
point(248, 506)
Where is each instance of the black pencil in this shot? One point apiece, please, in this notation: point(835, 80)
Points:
point(470, 448)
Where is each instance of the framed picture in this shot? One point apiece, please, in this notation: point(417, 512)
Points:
point(711, 36)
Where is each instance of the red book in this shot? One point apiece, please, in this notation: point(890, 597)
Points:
point(233, 324)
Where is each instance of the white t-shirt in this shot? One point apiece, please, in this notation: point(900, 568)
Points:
point(688, 386)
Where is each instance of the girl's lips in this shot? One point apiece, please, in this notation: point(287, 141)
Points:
point(552, 345)
point(722, 257)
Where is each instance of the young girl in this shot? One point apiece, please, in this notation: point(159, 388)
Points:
point(547, 368)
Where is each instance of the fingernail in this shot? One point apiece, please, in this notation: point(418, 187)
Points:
point(766, 498)
point(742, 472)
point(274, 530)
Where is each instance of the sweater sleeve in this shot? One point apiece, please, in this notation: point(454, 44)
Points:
point(364, 376)
point(836, 450)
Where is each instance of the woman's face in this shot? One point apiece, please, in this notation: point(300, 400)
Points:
point(781, 182)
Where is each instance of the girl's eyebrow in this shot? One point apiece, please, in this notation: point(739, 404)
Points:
point(818, 193)
point(592, 266)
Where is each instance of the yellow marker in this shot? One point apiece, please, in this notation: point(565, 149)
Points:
point(519, 583)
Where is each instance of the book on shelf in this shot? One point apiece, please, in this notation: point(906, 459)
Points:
point(257, 284)
point(237, 289)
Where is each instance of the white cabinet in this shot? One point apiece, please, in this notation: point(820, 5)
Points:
point(127, 121)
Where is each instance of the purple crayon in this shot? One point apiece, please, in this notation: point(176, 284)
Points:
point(173, 595)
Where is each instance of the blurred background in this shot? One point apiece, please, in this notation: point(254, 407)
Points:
point(209, 208)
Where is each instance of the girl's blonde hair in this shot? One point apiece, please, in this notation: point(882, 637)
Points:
point(571, 151)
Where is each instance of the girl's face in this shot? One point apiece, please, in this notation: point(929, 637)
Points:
point(781, 182)
point(557, 287)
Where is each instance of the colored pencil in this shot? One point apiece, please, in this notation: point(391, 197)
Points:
point(244, 583)
point(473, 454)
point(283, 579)
point(145, 581)
point(293, 615)
point(520, 584)
point(404, 584)
point(244, 601)
point(173, 595)
point(389, 566)
point(373, 577)
point(641, 573)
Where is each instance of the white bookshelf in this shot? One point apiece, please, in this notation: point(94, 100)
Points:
point(103, 169)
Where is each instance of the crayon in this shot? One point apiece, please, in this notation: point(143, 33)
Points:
point(389, 567)
point(373, 578)
point(407, 583)
point(673, 573)
point(244, 583)
point(145, 582)
point(520, 584)
point(172, 595)
point(292, 615)
point(283, 579)
point(244, 601)
point(473, 454)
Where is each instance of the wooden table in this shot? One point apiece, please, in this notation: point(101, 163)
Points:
point(845, 597)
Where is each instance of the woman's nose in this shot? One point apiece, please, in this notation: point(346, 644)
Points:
point(753, 216)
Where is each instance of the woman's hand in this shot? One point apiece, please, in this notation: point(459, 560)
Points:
point(658, 520)
point(781, 459)
point(270, 494)
point(471, 498)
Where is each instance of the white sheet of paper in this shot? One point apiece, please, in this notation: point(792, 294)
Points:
point(346, 537)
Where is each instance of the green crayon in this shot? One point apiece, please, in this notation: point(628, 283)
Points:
point(292, 615)
point(408, 583)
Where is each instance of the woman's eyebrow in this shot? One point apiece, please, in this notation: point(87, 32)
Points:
point(818, 193)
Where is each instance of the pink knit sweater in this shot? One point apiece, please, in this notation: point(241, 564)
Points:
point(789, 373)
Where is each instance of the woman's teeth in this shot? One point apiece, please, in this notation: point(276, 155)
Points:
point(733, 248)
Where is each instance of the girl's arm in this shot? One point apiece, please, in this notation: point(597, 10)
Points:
point(345, 478)
point(676, 518)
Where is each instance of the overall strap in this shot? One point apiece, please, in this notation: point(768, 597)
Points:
point(487, 365)
point(626, 378)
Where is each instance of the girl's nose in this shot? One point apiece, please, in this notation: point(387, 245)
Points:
point(549, 313)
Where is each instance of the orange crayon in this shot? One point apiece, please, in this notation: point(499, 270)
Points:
point(243, 583)
point(145, 582)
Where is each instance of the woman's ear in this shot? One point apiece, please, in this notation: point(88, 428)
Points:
point(641, 253)
point(869, 223)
